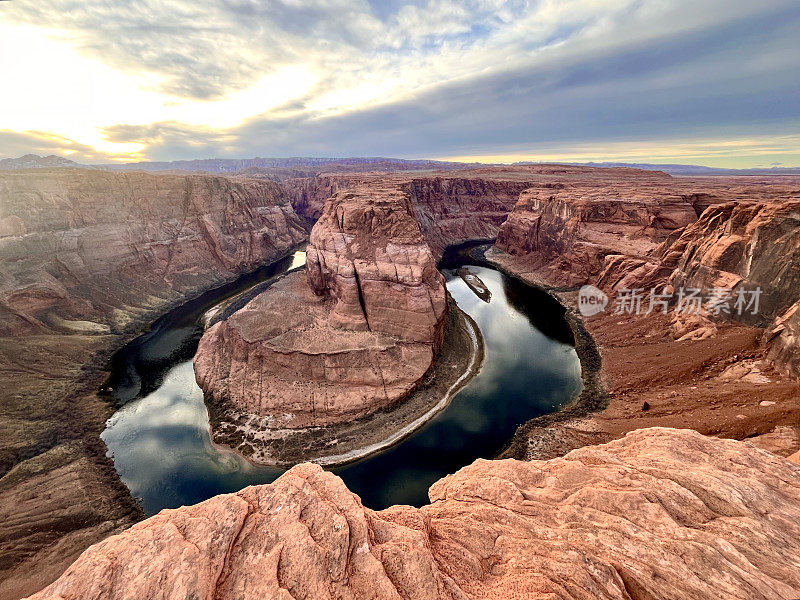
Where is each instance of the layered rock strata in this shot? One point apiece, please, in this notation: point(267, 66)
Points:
point(87, 258)
point(354, 334)
point(450, 209)
point(454, 210)
point(568, 229)
point(752, 247)
point(83, 250)
point(662, 513)
point(723, 374)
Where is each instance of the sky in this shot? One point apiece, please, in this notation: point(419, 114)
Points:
point(712, 82)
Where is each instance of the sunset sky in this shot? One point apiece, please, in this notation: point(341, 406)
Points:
point(682, 81)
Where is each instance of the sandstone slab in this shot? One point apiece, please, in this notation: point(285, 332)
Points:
point(662, 513)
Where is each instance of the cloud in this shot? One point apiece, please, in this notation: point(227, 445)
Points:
point(432, 77)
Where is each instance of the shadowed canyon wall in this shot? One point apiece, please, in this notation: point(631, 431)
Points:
point(91, 251)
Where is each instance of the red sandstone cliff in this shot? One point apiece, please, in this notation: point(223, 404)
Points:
point(454, 210)
point(359, 336)
point(567, 229)
point(91, 251)
point(662, 513)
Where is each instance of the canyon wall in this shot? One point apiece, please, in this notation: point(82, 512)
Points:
point(747, 246)
point(450, 209)
point(309, 194)
point(88, 258)
point(92, 251)
point(454, 210)
point(743, 244)
point(662, 513)
point(356, 334)
point(644, 231)
point(783, 339)
point(566, 229)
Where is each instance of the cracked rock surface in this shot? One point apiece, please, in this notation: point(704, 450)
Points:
point(661, 513)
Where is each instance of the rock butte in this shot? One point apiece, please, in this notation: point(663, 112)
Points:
point(357, 337)
point(91, 255)
point(662, 513)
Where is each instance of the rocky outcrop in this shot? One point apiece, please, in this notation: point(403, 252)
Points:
point(90, 251)
point(367, 252)
point(358, 337)
point(662, 513)
point(742, 245)
point(783, 339)
point(749, 252)
point(727, 238)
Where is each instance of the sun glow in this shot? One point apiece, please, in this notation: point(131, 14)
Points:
point(58, 94)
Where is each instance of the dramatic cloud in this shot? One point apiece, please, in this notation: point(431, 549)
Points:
point(184, 79)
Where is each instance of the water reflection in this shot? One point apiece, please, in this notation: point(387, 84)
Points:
point(163, 451)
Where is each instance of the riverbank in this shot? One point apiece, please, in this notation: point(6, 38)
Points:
point(59, 491)
point(457, 363)
point(643, 377)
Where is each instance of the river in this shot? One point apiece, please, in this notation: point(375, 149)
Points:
point(159, 437)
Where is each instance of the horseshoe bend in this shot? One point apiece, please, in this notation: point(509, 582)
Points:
point(331, 357)
point(408, 299)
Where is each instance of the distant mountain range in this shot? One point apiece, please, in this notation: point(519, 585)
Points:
point(686, 169)
point(279, 168)
point(231, 165)
point(34, 161)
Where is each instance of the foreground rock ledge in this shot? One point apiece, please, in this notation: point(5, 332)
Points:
point(661, 513)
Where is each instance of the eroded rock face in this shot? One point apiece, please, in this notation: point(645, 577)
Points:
point(90, 251)
point(87, 256)
point(309, 194)
point(783, 338)
point(354, 334)
point(568, 229)
point(454, 210)
point(661, 513)
point(450, 209)
point(747, 244)
point(732, 246)
point(367, 252)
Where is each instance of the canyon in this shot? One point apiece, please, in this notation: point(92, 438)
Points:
point(91, 257)
point(729, 374)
